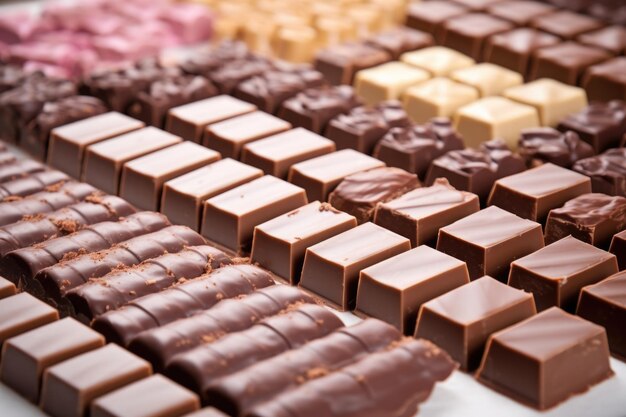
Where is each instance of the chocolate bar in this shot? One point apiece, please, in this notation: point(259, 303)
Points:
point(22, 312)
point(607, 171)
point(339, 63)
point(565, 62)
point(618, 248)
point(14, 170)
point(544, 144)
point(467, 33)
point(7, 288)
point(606, 81)
point(32, 183)
point(601, 125)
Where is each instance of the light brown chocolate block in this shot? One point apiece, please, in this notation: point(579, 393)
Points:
point(68, 143)
point(190, 120)
point(207, 412)
point(104, 160)
point(488, 79)
point(279, 244)
point(394, 290)
point(438, 97)
point(183, 197)
point(438, 60)
point(230, 218)
point(7, 288)
point(319, 176)
point(229, 136)
point(28, 355)
point(387, 81)
point(22, 312)
point(331, 268)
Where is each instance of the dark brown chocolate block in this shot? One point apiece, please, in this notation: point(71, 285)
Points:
point(394, 290)
point(414, 148)
point(592, 218)
point(204, 62)
point(143, 178)
point(7, 288)
point(606, 81)
point(611, 38)
point(153, 396)
point(180, 301)
point(358, 194)
point(607, 171)
point(601, 125)
point(230, 74)
point(399, 40)
point(538, 361)
point(430, 16)
point(566, 24)
point(476, 170)
point(18, 169)
point(618, 248)
point(533, 193)
point(32, 183)
point(544, 144)
point(565, 62)
point(339, 63)
point(363, 127)
point(11, 76)
point(461, 321)
point(467, 33)
point(27, 356)
point(70, 386)
point(604, 304)
point(22, 312)
point(521, 13)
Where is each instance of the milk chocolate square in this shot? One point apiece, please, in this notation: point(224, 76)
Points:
point(488, 79)
point(606, 81)
point(22, 312)
point(607, 171)
point(339, 63)
point(618, 248)
point(467, 33)
point(565, 62)
point(430, 16)
point(7, 288)
point(400, 39)
point(438, 97)
point(566, 24)
point(521, 13)
point(611, 38)
point(438, 60)
point(387, 81)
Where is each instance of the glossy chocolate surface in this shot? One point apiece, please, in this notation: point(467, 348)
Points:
point(22, 312)
point(606, 81)
point(518, 12)
point(467, 33)
point(7, 288)
point(339, 63)
point(601, 125)
point(611, 38)
point(566, 24)
point(430, 16)
point(400, 40)
point(565, 62)
point(541, 145)
point(618, 248)
point(32, 183)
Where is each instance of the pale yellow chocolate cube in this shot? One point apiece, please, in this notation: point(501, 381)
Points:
point(296, 44)
point(494, 117)
point(439, 97)
point(552, 99)
point(488, 79)
point(387, 81)
point(438, 60)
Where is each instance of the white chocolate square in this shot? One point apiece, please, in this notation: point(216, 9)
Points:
point(387, 81)
point(488, 79)
point(552, 99)
point(438, 60)
point(439, 97)
point(494, 117)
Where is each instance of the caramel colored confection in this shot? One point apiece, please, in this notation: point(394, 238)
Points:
point(438, 97)
point(601, 125)
point(489, 241)
point(540, 145)
point(393, 290)
point(476, 170)
point(618, 248)
point(280, 244)
point(604, 304)
point(565, 62)
point(22, 312)
point(610, 38)
point(533, 193)
point(7, 288)
point(556, 274)
point(606, 81)
point(438, 60)
point(340, 63)
point(488, 79)
point(549, 350)
point(358, 194)
point(331, 268)
point(387, 81)
point(462, 320)
point(607, 171)
point(566, 24)
point(399, 40)
point(430, 16)
point(467, 33)
point(521, 13)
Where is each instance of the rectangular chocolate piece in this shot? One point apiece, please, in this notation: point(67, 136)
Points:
point(229, 218)
point(70, 386)
point(22, 312)
point(143, 178)
point(7, 288)
point(519, 12)
point(566, 24)
point(104, 160)
point(606, 81)
point(489, 240)
point(190, 120)
point(183, 197)
point(394, 290)
point(545, 359)
point(339, 63)
point(602, 125)
point(31, 183)
point(618, 248)
point(607, 171)
point(14, 170)
point(68, 143)
point(467, 33)
point(461, 321)
point(431, 16)
point(28, 355)
point(331, 268)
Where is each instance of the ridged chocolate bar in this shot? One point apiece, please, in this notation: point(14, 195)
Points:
point(30, 184)
point(180, 301)
point(19, 169)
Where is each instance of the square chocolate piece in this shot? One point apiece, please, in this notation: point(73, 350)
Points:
point(602, 125)
point(280, 244)
point(606, 81)
point(331, 268)
point(104, 160)
point(546, 359)
point(143, 178)
point(467, 33)
point(607, 171)
point(339, 63)
point(438, 97)
point(183, 197)
point(520, 13)
point(430, 16)
point(566, 24)
point(556, 274)
point(22, 312)
point(399, 40)
point(618, 248)
point(7, 288)
point(277, 153)
point(437, 60)
point(394, 290)
point(488, 79)
point(69, 142)
point(611, 38)
point(489, 241)
point(565, 62)
point(461, 321)
point(230, 218)
point(387, 81)
point(533, 193)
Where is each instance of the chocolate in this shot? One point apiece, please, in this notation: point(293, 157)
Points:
point(618, 248)
point(521, 13)
point(533, 193)
point(19, 169)
point(399, 40)
point(565, 62)
point(607, 171)
point(32, 183)
point(548, 349)
point(7, 157)
point(104, 160)
point(7, 288)
point(611, 38)
point(143, 178)
point(205, 62)
point(180, 301)
point(277, 153)
point(387, 81)
point(69, 142)
point(190, 120)
point(606, 81)
point(477, 5)
point(280, 243)
point(315, 107)
point(70, 386)
point(118, 287)
point(319, 176)
point(544, 144)
point(565, 24)
point(207, 412)
point(339, 63)
point(11, 76)
point(476, 170)
point(467, 33)
point(601, 125)
point(35, 135)
point(437, 98)
point(414, 148)
point(331, 268)
point(26, 357)
point(431, 16)
point(604, 304)
point(488, 79)
point(358, 194)
point(461, 321)
point(230, 74)
point(22, 312)
point(152, 396)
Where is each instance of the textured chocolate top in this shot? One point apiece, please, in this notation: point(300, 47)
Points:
point(324, 100)
point(602, 124)
point(385, 115)
point(544, 144)
point(227, 76)
point(609, 167)
point(30, 184)
point(591, 209)
point(204, 63)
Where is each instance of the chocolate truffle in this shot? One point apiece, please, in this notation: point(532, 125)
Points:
point(544, 144)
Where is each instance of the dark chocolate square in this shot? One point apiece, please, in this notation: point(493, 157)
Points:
point(565, 62)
